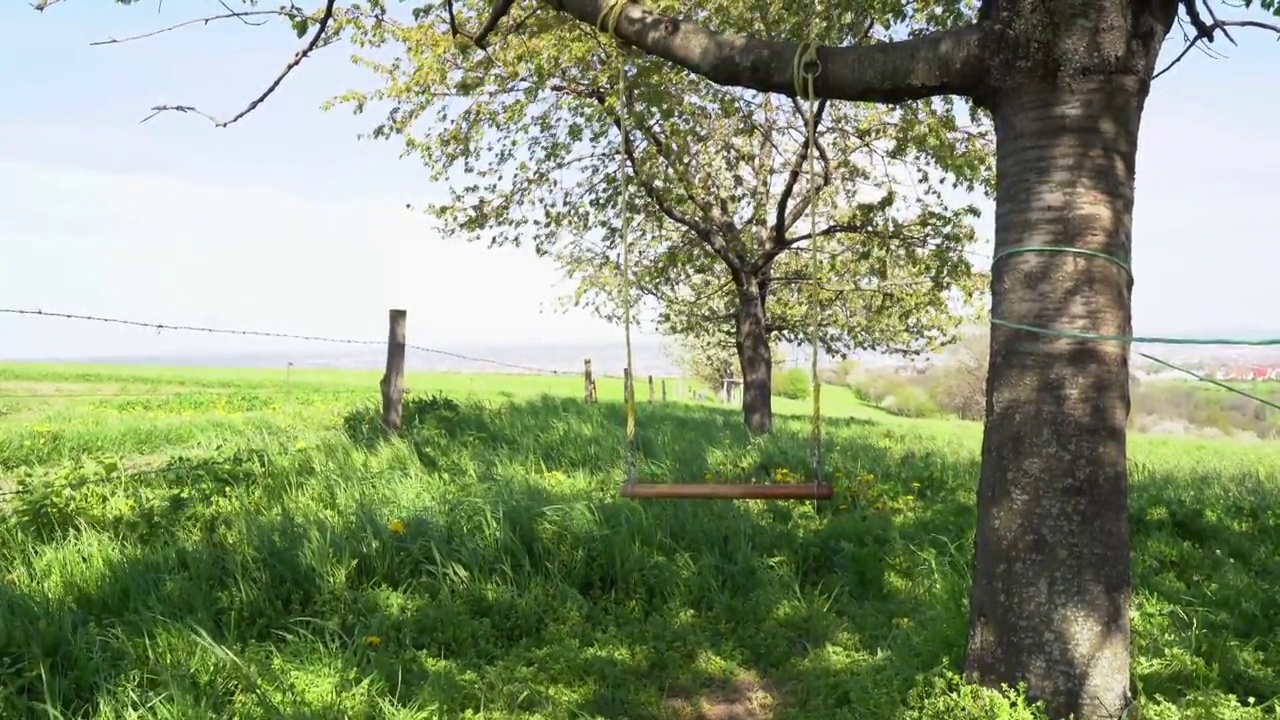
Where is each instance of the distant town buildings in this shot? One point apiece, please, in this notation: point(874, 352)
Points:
point(1246, 373)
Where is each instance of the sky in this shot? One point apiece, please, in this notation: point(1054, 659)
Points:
point(288, 222)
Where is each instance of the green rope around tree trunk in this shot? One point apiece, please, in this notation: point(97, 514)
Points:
point(1132, 339)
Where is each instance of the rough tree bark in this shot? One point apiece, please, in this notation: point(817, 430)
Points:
point(756, 361)
point(1049, 604)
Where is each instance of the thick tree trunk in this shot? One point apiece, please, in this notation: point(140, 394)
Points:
point(1051, 582)
point(755, 358)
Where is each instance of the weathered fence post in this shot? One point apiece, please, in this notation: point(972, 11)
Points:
point(393, 380)
point(588, 384)
point(651, 393)
point(664, 389)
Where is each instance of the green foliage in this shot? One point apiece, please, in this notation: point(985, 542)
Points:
point(280, 561)
point(896, 395)
point(793, 384)
point(527, 135)
point(945, 696)
point(1271, 6)
point(709, 359)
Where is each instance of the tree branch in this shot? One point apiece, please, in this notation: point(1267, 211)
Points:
point(322, 27)
point(480, 38)
point(242, 16)
point(651, 191)
point(783, 220)
point(786, 216)
point(499, 10)
point(1207, 31)
point(949, 62)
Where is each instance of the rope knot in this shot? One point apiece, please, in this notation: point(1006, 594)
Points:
point(608, 23)
point(805, 68)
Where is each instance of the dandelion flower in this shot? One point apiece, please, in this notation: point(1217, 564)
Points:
point(371, 641)
point(396, 527)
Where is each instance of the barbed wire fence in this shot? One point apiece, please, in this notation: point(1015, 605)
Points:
point(393, 382)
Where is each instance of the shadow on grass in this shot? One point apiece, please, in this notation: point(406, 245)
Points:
point(512, 582)
point(675, 442)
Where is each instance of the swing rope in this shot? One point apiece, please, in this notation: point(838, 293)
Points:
point(805, 70)
point(609, 19)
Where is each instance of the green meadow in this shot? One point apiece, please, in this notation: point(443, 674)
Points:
point(182, 543)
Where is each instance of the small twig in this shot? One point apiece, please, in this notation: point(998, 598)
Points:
point(229, 9)
point(1214, 16)
point(243, 16)
point(1206, 31)
point(322, 26)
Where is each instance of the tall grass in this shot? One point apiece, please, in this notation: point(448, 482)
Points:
point(239, 555)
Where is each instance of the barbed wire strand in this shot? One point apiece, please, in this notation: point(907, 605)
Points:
point(307, 390)
point(160, 327)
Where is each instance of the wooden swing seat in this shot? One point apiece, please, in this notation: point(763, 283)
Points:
point(727, 491)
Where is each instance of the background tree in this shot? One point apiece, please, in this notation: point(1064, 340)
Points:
point(959, 383)
point(711, 359)
point(708, 359)
point(532, 132)
point(1065, 82)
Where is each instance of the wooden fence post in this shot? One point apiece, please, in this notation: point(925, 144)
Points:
point(588, 384)
point(393, 380)
point(664, 389)
point(651, 393)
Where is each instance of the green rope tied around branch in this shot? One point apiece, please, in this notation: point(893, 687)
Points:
point(1132, 339)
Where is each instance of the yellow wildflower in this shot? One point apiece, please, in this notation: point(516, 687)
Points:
point(371, 641)
point(396, 527)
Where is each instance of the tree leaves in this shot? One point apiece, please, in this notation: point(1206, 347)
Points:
point(527, 136)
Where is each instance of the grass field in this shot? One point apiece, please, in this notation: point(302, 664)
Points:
point(216, 544)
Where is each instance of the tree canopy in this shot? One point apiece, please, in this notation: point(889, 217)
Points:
point(528, 134)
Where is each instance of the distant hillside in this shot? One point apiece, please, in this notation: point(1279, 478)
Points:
point(606, 359)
